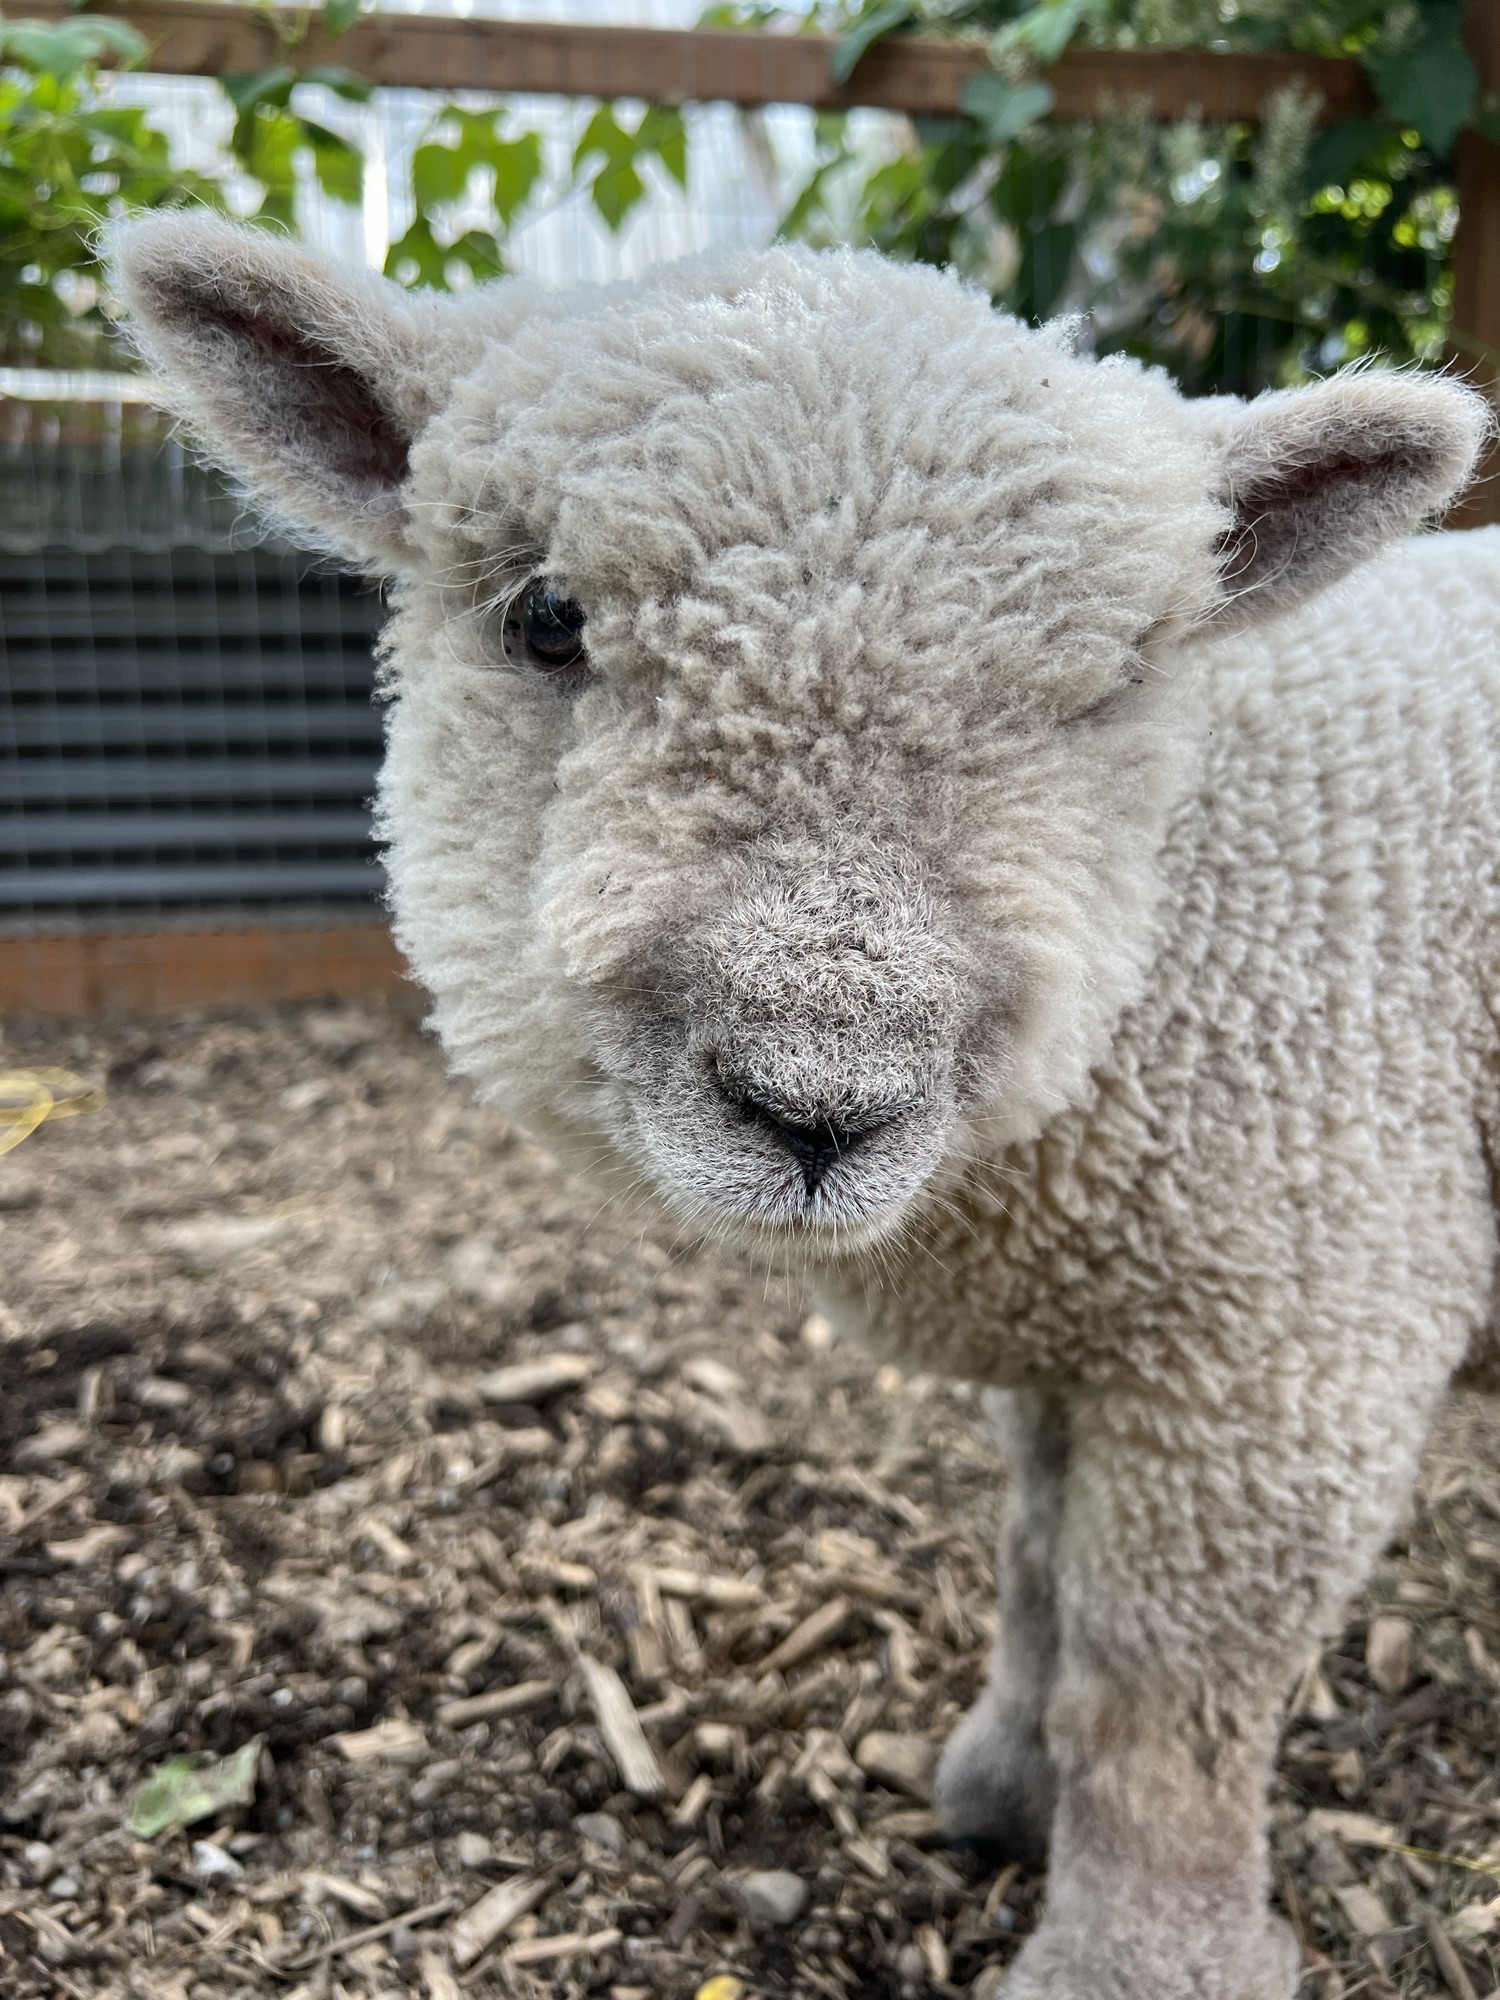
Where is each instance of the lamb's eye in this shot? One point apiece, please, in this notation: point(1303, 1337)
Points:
point(545, 629)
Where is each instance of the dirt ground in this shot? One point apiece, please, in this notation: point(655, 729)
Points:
point(554, 1676)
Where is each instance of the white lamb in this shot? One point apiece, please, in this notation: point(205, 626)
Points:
point(963, 821)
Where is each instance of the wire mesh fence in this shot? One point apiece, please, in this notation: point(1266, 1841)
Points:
point(185, 700)
point(186, 715)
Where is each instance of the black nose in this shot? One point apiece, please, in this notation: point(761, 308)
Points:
point(813, 1146)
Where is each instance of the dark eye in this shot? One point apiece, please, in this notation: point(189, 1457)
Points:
point(544, 630)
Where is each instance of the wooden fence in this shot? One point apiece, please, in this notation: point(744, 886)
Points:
point(86, 975)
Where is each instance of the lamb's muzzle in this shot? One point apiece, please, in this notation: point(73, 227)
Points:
point(802, 1061)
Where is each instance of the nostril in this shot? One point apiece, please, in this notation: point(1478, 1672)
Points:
point(814, 1147)
point(815, 1143)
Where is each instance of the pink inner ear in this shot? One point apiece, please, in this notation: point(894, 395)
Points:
point(1273, 513)
point(361, 443)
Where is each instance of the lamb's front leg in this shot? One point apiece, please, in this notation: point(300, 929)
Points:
point(1200, 1554)
point(995, 1784)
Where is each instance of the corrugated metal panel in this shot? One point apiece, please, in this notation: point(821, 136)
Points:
point(185, 703)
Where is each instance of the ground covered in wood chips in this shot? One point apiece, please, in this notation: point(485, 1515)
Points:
point(584, 1620)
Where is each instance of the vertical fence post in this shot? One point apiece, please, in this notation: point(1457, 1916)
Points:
point(1476, 255)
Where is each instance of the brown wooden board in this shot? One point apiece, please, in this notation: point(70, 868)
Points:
point(911, 73)
point(96, 973)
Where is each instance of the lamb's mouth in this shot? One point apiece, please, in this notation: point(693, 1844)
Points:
point(811, 1186)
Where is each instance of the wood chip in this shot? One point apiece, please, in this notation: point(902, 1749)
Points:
point(724, 1592)
point(337, 1947)
point(1388, 1653)
point(690, 1807)
point(1448, 1961)
point(85, 1547)
point(439, 1981)
point(514, 1448)
point(55, 1496)
point(316, 1885)
point(554, 1572)
point(901, 1762)
point(1476, 1920)
point(647, 1634)
point(513, 1700)
point(542, 1950)
point(729, 1421)
point(1363, 1910)
point(1354, 1829)
point(620, 1727)
point(536, 1381)
point(811, 1636)
point(475, 1929)
point(868, 1857)
point(390, 1742)
point(400, 1555)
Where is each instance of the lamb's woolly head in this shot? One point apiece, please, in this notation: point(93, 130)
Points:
point(785, 656)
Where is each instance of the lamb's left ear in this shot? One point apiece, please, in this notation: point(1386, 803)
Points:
point(307, 380)
point(1318, 479)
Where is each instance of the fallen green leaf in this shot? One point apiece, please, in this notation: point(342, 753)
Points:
point(181, 1791)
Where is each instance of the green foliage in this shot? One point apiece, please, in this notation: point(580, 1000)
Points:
point(615, 185)
point(1237, 257)
point(339, 15)
point(271, 131)
point(465, 158)
point(69, 160)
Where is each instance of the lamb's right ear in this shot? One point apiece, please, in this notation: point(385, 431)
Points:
point(306, 380)
point(1317, 480)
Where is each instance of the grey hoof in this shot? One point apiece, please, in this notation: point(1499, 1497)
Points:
point(996, 1788)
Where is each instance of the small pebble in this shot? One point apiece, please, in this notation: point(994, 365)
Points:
point(211, 1863)
point(472, 1850)
point(601, 1828)
point(63, 1888)
point(39, 1860)
point(773, 1896)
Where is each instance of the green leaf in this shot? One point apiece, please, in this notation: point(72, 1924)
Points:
point(340, 167)
point(246, 90)
point(271, 156)
point(438, 174)
point(615, 192)
point(1005, 109)
point(1336, 153)
point(418, 259)
point(182, 1791)
point(480, 252)
point(517, 167)
point(661, 131)
point(339, 15)
point(342, 82)
point(1432, 87)
point(605, 134)
point(868, 28)
point(1045, 31)
point(70, 45)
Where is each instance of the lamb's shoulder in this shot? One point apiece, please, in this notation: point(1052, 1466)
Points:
point(1298, 1087)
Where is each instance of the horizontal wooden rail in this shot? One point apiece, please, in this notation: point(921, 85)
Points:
point(911, 73)
point(212, 967)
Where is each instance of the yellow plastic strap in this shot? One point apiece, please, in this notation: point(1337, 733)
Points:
point(27, 1096)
